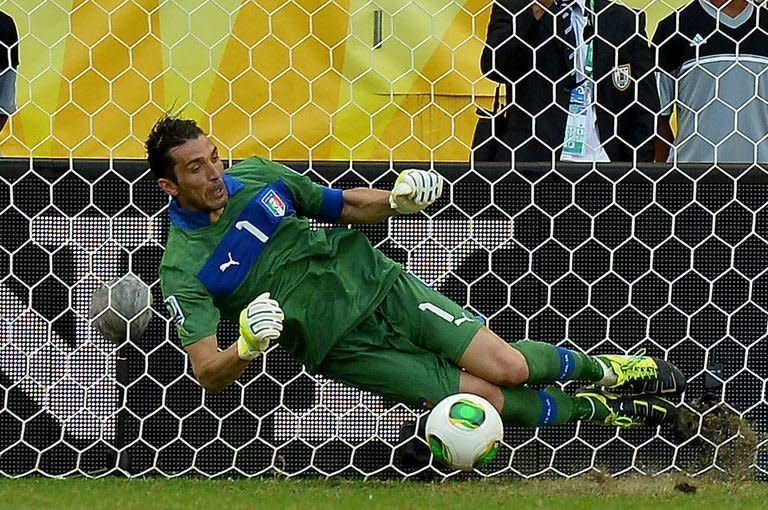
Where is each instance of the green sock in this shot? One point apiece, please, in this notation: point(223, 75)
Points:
point(548, 363)
point(536, 408)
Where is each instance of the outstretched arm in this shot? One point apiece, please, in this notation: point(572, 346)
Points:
point(366, 205)
point(413, 191)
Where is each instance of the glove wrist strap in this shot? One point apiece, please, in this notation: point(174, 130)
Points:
point(245, 351)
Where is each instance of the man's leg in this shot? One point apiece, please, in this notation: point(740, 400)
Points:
point(373, 359)
point(377, 358)
point(551, 406)
point(437, 324)
point(528, 407)
point(491, 358)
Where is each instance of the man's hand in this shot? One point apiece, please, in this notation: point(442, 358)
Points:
point(414, 190)
point(539, 7)
point(260, 322)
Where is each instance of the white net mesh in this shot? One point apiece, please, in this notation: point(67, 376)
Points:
point(395, 80)
point(608, 259)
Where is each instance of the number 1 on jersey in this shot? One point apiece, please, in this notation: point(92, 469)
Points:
point(444, 314)
point(252, 229)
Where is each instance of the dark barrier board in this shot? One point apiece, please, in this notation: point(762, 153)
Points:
point(612, 258)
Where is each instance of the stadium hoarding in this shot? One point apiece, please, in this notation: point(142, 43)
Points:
point(293, 80)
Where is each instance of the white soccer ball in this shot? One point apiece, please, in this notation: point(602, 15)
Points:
point(464, 431)
point(118, 304)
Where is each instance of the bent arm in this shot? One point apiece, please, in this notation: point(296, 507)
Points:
point(647, 104)
point(665, 138)
point(366, 205)
point(513, 30)
point(668, 45)
point(215, 369)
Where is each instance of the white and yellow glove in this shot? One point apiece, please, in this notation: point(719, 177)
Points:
point(414, 190)
point(260, 323)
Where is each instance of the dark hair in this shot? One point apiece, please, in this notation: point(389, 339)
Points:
point(167, 133)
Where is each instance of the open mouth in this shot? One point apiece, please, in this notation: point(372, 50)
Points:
point(217, 191)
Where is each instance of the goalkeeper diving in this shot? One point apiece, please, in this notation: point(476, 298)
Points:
point(240, 248)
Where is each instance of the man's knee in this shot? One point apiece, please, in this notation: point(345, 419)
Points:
point(491, 392)
point(494, 360)
point(513, 367)
point(506, 366)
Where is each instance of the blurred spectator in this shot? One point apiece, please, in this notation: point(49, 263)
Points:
point(9, 63)
point(713, 65)
point(596, 103)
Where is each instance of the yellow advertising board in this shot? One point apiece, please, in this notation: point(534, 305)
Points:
point(304, 79)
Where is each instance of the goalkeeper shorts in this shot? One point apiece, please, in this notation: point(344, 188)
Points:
point(407, 348)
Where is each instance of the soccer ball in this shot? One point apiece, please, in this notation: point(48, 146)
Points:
point(464, 431)
point(118, 303)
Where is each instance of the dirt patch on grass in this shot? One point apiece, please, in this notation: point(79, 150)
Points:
point(718, 441)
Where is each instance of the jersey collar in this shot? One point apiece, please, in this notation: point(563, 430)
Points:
point(192, 220)
point(726, 20)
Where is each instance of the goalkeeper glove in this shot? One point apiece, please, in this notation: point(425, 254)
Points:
point(260, 322)
point(414, 190)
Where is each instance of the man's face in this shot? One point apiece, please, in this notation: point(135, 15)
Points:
point(199, 171)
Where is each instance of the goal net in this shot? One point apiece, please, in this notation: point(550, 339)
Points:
point(604, 261)
point(608, 258)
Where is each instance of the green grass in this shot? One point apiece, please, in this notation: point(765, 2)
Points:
point(511, 494)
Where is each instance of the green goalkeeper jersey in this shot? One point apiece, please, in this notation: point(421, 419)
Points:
point(326, 280)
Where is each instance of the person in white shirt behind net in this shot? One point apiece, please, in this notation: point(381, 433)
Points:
point(713, 66)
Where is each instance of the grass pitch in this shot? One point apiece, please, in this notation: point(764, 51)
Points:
point(579, 494)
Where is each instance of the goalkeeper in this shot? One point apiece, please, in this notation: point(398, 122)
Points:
point(240, 247)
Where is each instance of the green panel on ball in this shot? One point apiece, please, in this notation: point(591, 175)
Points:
point(466, 414)
point(489, 454)
point(439, 450)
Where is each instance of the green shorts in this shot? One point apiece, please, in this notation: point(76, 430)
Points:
point(407, 349)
